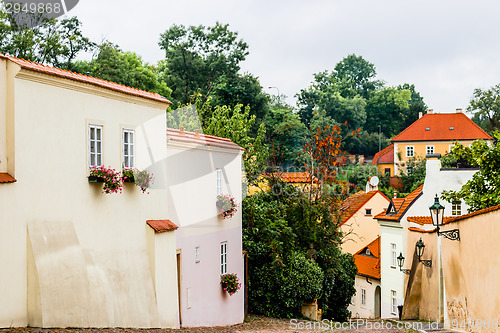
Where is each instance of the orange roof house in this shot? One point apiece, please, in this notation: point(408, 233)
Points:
point(398, 206)
point(384, 160)
point(368, 260)
point(357, 223)
point(434, 133)
point(298, 179)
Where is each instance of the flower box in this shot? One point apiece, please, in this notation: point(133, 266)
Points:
point(128, 179)
point(96, 179)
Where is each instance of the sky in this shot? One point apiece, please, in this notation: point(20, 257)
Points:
point(445, 48)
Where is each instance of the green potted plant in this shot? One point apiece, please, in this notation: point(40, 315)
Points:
point(226, 205)
point(230, 283)
point(112, 180)
point(142, 178)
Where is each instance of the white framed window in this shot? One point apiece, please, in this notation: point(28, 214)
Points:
point(363, 296)
point(394, 302)
point(368, 211)
point(456, 208)
point(219, 181)
point(197, 254)
point(223, 258)
point(128, 148)
point(410, 151)
point(95, 145)
point(429, 150)
point(394, 257)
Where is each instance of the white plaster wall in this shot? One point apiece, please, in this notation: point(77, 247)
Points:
point(192, 197)
point(358, 310)
point(391, 277)
point(51, 168)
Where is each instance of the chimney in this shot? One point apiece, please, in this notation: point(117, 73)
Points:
point(395, 194)
point(420, 115)
point(459, 110)
point(182, 130)
point(430, 111)
point(197, 133)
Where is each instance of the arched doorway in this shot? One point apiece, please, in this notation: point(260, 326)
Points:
point(377, 302)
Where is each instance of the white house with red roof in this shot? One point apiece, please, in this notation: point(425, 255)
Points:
point(199, 168)
point(71, 255)
point(366, 302)
point(433, 133)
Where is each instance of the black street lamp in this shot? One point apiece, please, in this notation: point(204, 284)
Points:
point(419, 248)
point(437, 215)
point(401, 262)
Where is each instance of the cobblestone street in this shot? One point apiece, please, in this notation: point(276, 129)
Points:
point(253, 324)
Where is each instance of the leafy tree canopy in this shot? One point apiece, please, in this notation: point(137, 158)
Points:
point(485, 104)
point(127, 68)
point(197, 57)
point(483, 190)
point(55, 42)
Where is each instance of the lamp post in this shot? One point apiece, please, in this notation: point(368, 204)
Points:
point(401, 262)
point(379, 138)
point(437, 215)
point(419, 248)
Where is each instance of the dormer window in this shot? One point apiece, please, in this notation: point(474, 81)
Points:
point(452, 128)
point(368, 252)
point(427, 128)
point(368, 212)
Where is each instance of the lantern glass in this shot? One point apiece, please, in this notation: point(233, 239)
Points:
point(437, 212)
point(401, 260)
point(420, 248)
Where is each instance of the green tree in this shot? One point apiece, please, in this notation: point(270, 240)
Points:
point(416, 105)
point(126, 68)
point(485, 104)
point(357, 76)
point(388, 107)
point(55, 42)
point(197, 58)
point(483, 190)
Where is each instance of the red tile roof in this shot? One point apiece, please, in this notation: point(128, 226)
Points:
point(292, 177)
point(386, 155)
point(6, 178)
point(201, 139)
point(354, 203)
point(369, 265)
point(422, 220)
point(400, 206)
point(440, 126)
point(85, 79)
point(162, 225)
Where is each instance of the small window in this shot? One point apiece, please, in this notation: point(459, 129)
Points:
point(363, 296)
point(387, 171)
point(394, 302)
point(128, 148)
point(95, 145)
point(452, 128)
point(427, 128)
point(223, 258)
point(219, 181)
point(394, 258)
point(368, 212)
point(456, 208)
point(429, 150)
point(197, 254)
point(410, 151)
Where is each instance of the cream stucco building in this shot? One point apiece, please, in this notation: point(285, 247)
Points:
point(70, 254)
point(199, 168)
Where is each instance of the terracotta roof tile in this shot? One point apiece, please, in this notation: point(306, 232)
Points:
point(201, 139)
point(421, 230)
point(386, 155)
point(401, 205)
point(442, 127)
point(85, 79)
point(292, 177)
point(6, 178)
point(369, 265)
point(162, 225)
point(423, 220)
point(354, 203)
